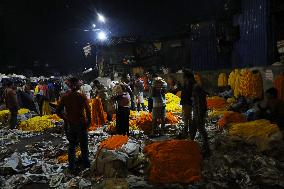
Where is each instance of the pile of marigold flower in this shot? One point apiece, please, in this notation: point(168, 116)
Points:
point(167, 162)
point(259, 132)
point(39, 123)
point(217, 103)
point(4, 114)
point(173, 103)
point(143, 121)
point(114, 142)
point(231, 117)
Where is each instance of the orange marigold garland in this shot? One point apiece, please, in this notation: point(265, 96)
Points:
point(251, 84)
point(168, 159)
point(97, 113)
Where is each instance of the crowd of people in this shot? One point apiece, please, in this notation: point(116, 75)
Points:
point(72, 97)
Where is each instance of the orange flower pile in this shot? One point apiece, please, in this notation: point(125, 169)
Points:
point(171, 118)
point(114, 142)
point(231, 117)
point(216, 103)
point(64, 157)
point(143, 122)
point(174, 161)
point(98, 116)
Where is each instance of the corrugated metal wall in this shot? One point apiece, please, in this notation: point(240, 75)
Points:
point(251, 49)
point(203, 45)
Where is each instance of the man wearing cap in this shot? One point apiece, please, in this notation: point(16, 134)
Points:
point(77, 117)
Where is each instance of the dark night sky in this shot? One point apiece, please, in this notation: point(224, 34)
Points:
point(51, 31)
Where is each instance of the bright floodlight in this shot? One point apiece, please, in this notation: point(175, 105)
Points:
point(94, 25)
point(101, 18)
point(102, 36)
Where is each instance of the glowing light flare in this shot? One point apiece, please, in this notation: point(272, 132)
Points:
point(102, 36)
point(101, 18)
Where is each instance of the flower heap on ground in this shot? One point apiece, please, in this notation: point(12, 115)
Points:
point(114, 142)
point(39, 123)
point(4, 114)
point(231, 117)
point(143, 121)
point(259, 132)
point(167, 162)
point(216, 103)
point(173, 103)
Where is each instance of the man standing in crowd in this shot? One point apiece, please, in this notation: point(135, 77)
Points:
point(77, 124)
point(199, 115)
point(139, 92)
point(10, 97)
point(126, 80)
point(122, 97)
point(158, 92)
point(186, 101)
